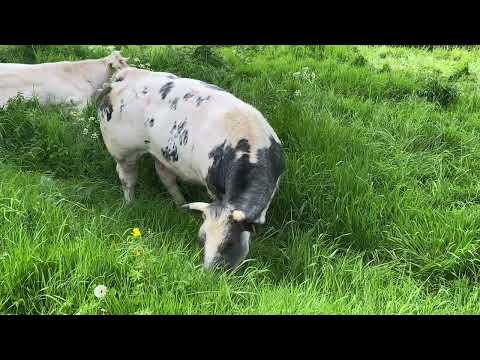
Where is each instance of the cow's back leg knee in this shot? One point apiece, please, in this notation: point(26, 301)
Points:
point(169, 180)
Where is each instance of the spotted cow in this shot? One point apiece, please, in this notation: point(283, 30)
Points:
point(65, 82)
point(201, 134)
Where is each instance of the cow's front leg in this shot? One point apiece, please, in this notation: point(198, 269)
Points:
point(169, 180)
point(128, 173)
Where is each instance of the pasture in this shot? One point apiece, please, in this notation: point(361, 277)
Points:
point(378, 212)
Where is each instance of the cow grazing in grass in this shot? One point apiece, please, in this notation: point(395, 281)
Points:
point(201, 134)
point(66, 82)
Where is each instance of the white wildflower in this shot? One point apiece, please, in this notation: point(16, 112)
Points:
point(297, 93)
point(100, 291)
point(94, 135)
point(85, 131)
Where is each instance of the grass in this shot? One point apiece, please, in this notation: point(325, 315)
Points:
point(379, 211)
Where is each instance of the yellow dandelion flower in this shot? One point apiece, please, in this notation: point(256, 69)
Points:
point(136, 232)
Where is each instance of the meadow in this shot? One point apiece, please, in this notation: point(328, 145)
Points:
point(378, 212)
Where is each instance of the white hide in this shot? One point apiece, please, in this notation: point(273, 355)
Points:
point(66, 82)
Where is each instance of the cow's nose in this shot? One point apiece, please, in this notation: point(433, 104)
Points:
point(216, 264)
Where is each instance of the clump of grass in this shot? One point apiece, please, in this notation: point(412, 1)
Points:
point(18, 54)
point(439, 91)
point(359, 60)
point(207, 54)
point(385, 68)
point(460, 73)
point(52, 138)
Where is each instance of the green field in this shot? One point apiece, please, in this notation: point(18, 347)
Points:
point(378, 212)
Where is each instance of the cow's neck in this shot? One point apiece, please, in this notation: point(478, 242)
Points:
point(244, 185)
point(95, 72)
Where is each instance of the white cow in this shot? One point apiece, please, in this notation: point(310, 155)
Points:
point(201, 134)
point(66, 82)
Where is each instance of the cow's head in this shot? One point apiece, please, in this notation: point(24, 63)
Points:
point(224, 235)
point(115, 61)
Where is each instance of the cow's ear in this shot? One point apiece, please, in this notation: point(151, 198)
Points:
point(238, 215)
point(199, 206)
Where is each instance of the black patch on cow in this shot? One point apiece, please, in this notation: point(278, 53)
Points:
point(151, 122)
point(104, 105)
point(187, 96)
point(165, 89)
point(201, 99)
point(179, 133)
point(122, 105)
point(108, 112)
point(183, 138)
point(178, 137)
point(170, 152)
point(232, 247)
point(147, 141)
point(246, 186)
point(145, 90)
point(173, 104)
point(243, 145)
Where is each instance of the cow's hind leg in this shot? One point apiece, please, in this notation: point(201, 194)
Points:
point(127, 170)
point(169, 180)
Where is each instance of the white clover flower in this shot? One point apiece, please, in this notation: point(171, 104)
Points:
point(91, 118)
point(94, 135)
point(100, 291)
point(297, 93)
point(85, 131)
